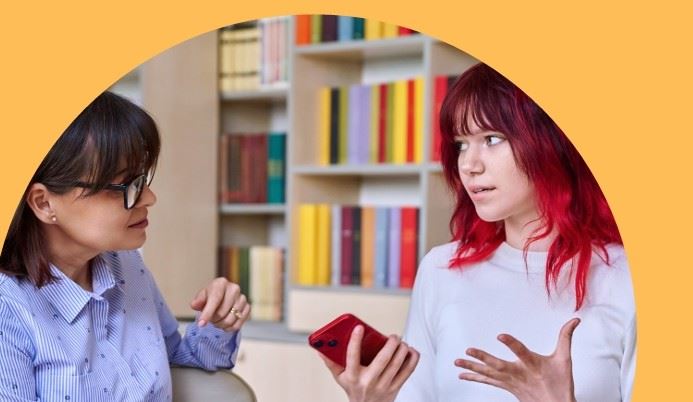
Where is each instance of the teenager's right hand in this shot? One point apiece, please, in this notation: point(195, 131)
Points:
point(382, 379)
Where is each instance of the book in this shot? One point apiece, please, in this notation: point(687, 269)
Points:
point(367, 246)
point(394, 249)
point(399, 122)
point(306, 261)
point(334, 125)
point(336, 244)
point(346, 246)
point(380, 264)
point(356, 246)
point(358, 28)
point(329, 28)
point(345, 26)
point(303, 33)
point(408, 247)
point(322, 245)
point(276, 167)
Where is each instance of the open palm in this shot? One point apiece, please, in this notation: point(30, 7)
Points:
point(532, 378)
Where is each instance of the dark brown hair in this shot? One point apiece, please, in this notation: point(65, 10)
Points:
point(110, 131)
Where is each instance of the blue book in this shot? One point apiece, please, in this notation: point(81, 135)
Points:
point(364, 123)
point(353, 125)
point(395, 242)
point(346, 28)
point(336, 240)
point(382, 227)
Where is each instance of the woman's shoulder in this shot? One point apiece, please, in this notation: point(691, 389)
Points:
point(439, 256)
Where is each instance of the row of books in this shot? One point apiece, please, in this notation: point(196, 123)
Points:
point(381, 123)
point(255, 55)
point(252, 168)
point(440, 88)
point(318, 28)
point(357, 245)
point(259, 271)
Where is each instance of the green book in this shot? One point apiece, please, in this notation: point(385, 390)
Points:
point(315, 28)
point(276, 144)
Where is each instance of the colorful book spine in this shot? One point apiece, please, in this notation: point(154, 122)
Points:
point(329, 28)
point(356, 246)
point(347, 243)
point(408, 248)
point(307, 245)
point(358, 28)
point(276, 169)
point(336, 244)
point(325, 117)
point(315, 28)
point(382, 227)
point(322, 245)
point(345, 26)
point(303, 34)
point(394, 249)
point(367, 247)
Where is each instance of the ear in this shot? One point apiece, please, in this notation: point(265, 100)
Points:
point(40, 201)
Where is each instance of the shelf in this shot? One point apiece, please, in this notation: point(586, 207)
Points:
point(358, 170)
point(252, 209)
point(354, 289)
point(270, 94)
point(271, 331)
point(366, 49)
point(434, 167)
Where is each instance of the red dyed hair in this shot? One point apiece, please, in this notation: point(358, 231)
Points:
point(570, 202)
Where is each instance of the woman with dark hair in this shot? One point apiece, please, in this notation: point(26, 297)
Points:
point(81, 318)
point(536, 252)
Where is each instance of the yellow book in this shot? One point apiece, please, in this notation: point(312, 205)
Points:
point(324, 106)
point(418, 119)
point(399, 123)
point(307, 218)
point(389, 30)
point(257, 281)
point(373, 29)
point(322, 246)
point(375, 120)
point(234, 270)
point(367, 246)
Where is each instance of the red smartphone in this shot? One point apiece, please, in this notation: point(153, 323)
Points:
point(332, 339)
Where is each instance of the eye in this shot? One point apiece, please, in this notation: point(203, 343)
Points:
point(494, 139)
point(461, 145)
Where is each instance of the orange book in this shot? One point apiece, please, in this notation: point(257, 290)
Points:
point(367, 246)
point(302, 29)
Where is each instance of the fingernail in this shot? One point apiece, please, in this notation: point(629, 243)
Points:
point(201, 323)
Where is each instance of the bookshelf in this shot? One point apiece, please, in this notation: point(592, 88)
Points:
point(188, 227)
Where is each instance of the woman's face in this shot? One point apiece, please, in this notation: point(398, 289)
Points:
point(499, 189)
point(100, 222)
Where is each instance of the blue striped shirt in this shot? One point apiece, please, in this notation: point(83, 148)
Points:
point(63, 343)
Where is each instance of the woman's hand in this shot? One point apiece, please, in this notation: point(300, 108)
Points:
point(533, 378)
point(381, 380)
point(222, 304)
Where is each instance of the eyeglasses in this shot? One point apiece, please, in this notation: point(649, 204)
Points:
point(131, 190)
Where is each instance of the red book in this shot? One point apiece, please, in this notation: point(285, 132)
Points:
point(408, 250)
point(302, 29)
point(260, 169)
point(382, 125)
point(246, 168)
point(402, 31)
point(411, 93)
point(440, 90)
point(347, 244)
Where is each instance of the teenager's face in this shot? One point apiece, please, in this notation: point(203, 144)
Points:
point(499, 189)
point(100, 222)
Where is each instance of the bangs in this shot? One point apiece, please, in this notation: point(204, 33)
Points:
point(476, 98)
point(122, 141)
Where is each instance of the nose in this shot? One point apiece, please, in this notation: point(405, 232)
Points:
point(469, 162)
point(147, 198)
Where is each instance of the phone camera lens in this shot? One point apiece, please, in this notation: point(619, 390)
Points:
point(318, 344)
point(332, 343)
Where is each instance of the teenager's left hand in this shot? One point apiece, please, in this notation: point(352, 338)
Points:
point(221, 303)
point(534, 377)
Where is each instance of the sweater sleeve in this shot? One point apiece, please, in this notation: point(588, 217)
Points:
point(419, 334)
point(628, 362)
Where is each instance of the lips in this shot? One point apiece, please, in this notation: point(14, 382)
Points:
point(140, 224)
point(478, 193)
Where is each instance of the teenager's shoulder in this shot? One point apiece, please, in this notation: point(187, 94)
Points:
point(439, 256)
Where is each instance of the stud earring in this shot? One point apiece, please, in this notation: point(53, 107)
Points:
point(54, 218)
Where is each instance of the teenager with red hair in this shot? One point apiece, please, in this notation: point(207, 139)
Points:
point(536, 252)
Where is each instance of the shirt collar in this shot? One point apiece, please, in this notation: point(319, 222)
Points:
point(69, 299)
